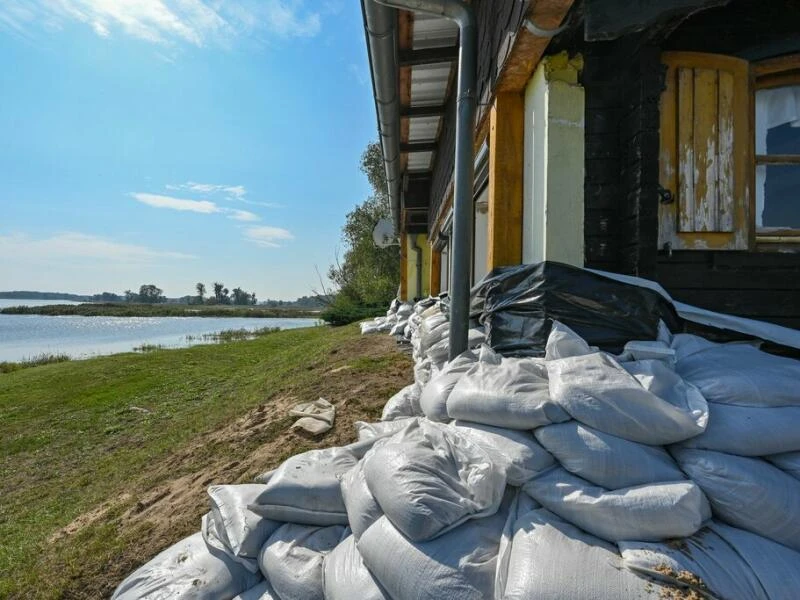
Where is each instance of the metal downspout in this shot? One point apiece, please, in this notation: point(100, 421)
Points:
point(418, 251)
point(463, 15)
point(380, 25)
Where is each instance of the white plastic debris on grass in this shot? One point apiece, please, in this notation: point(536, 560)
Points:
point(671, 470)
point(316, 417)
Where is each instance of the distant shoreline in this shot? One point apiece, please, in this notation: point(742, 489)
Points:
point(160, 310)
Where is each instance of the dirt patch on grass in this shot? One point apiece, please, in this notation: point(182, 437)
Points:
point(166, 503)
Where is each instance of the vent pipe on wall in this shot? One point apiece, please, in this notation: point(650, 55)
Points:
point(463, 15)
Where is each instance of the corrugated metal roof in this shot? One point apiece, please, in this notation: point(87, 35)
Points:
point(419, 161)
point(423, 129)
point(429, 84)
point(433, 32)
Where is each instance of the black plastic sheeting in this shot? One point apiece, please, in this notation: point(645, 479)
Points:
point(518, 304)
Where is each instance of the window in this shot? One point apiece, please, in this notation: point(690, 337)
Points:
point(705, 162)
point(777, 150)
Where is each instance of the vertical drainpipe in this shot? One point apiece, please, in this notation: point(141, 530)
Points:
point(463, 15)
point(418, 251)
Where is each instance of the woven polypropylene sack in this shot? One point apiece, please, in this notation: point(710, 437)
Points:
point(646, 512)
point(428, 479)
point(242, 530)
point(549, 559)
point(606, 460)
point(748, 493)
point(306, 489)
point(643, 402)
point(292, 559)
point(516, 452)
point(347, 578)
point(188, 570)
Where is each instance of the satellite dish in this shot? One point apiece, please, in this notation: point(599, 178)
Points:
point(383, 234)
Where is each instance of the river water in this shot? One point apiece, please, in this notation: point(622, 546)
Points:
point(25, 336)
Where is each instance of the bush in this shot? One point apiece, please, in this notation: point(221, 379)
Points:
point(343, 311)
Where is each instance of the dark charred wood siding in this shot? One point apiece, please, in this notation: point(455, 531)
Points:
point(623, 82)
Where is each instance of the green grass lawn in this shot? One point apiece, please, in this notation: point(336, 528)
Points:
point(78, 434)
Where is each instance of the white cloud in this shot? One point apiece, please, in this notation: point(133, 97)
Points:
point(158, 201)
point(267, 236)
point(168, 22)
point(235, 191)
point(242, 215)
point(72, 245)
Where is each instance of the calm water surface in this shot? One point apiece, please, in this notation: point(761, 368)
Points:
point(24, 336)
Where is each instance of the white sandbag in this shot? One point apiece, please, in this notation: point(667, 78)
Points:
point(305, 488)
point(521, 505)
point(505, 392)
point(292, 559)
point(370, 431)
point(788, 462)
point(422, 372)
point(319, 409)
point(646, 512)
point(551, 559)
point(459, 565)
point(311, 426)
point(428, 479)
point(563, 342)
point(743, 375)
point(263, 591)
point(516, 452)
point(405, 310)
point(729, 562)
point(686, 344)
point(212, 536)
point(640, 401)
point(440, 351)
point(399, 328)
point(188, 570)
point(606, 460)
point(433, 329)
point(377, 325)
point(362, 508)
point(347, 578)
point(433, 399)
point(705, 562)
point(240, 529)
point(404, 403)
point(776, 566)
point(749, 431)
point(748, 493)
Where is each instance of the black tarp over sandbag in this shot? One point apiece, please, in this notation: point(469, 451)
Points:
point(518, 304)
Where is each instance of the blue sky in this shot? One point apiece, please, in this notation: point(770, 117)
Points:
point(177, 141)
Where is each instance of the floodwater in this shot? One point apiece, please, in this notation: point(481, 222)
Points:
point(26, 336)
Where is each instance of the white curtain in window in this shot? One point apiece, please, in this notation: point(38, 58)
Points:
point(774, 107)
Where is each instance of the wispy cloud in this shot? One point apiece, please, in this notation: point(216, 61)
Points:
point(71, 245)
point(236, 193)
point(158, 201)
point(242, 215)
point(168, 22)
point(358, 74)
point(267, 236)
point(206, 207)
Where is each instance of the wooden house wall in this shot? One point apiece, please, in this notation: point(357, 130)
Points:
point(498, 23)
point(623, 81)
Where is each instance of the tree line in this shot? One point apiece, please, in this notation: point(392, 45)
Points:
point(223, 295)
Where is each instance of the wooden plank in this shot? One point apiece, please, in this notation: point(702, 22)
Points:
point(776, 65)
point(685, 150)
point(436, 273)
point(429, 146)
point(422, 111)
point(706, 152)
point(427, 56)
point(726, 173)
point(506, 150)
point(778, 159)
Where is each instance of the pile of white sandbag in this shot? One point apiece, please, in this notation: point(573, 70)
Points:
point(669, 471)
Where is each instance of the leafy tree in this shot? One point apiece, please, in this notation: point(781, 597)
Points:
point(226, 299)
point(201, 291)
point(150, 294)
point(253, 300)
point(130, 296)
point(240, 297)
point(218, 287)
point(367, 275)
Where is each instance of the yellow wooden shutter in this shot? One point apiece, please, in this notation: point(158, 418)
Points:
point(706, 153)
